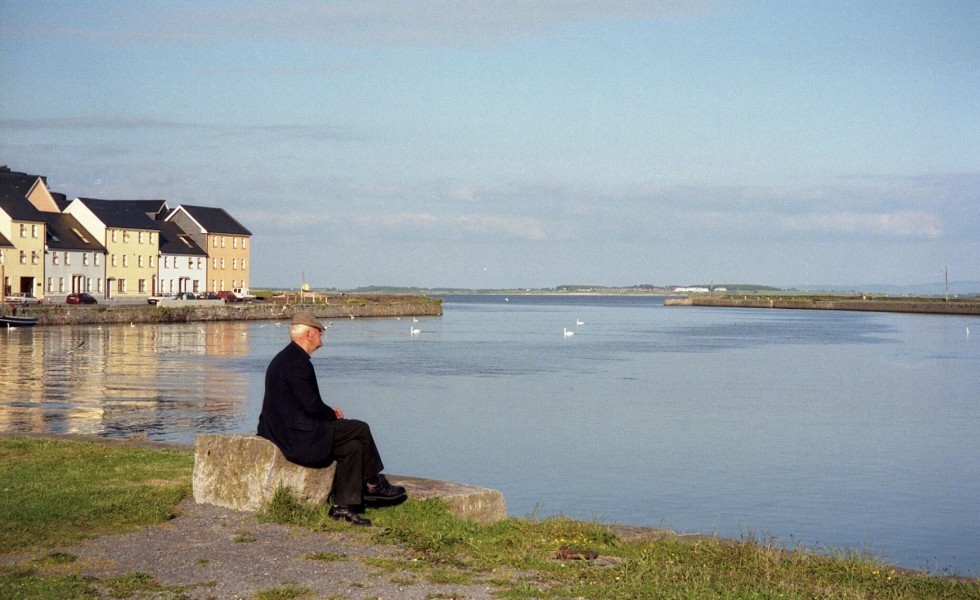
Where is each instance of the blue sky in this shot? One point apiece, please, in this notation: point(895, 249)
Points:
point(521, 143)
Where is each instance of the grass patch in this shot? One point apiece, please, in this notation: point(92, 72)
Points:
point(58, 491)
point(283, 593)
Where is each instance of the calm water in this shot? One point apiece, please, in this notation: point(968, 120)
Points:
point(829, 429)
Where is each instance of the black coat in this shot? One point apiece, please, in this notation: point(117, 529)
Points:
point(294, 416)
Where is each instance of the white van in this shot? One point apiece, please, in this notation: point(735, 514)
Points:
point(242, 294)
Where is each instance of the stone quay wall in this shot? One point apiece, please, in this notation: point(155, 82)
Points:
point(904, 305)
point(177, 311)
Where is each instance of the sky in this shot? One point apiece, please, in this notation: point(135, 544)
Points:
point(521, 143)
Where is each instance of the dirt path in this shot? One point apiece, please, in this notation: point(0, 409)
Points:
point(220, 553)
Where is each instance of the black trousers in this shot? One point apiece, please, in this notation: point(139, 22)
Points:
point(357, 460)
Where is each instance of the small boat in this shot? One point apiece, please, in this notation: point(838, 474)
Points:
point(11, 321)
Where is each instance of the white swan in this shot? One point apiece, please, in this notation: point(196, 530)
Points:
point(579, 322)
point(414, 330)
point(567, 333)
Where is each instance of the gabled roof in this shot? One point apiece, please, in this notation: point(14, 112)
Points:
point(4, 242)
point(14, 187)
point(64, 232)
point(155, 209)
point(212, 220)
point(120, 214)
point(174, 240)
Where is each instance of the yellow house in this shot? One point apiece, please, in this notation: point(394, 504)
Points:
point(131, 239)
point(23, 197)
point(226, 241)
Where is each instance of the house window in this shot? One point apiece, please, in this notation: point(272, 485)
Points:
point(214, 263)
point(214, 240)
point(142, 286)
point(121, 286)
point(34, 258)
point(222, 241)
point(198, 263)
point(96, 258)
point(234, 243)
point(151, 261)
point(50, 285)
point(141, 237)
point(67, 260)
point(114, 232)
point(139, 261)
point(243, 266)
point(125, 260)
point(98, 285)
point(243, 242)
point(23, 230)
point(33, 231)
point(61, 285)
point(151, 237)
point(234, 264)
point(85, 258)
point(23, 257)
point(54, 258)
point(125, 237)
point(222, 262)
point(190, 262)
point(112, 258)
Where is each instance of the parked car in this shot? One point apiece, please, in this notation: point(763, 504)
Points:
point(154, 300)
point(209, 296)
point(23, 298)
point(228, 296)
point(81, 298)
point(186, 296)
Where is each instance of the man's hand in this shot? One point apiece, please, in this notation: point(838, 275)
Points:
point(339, 413)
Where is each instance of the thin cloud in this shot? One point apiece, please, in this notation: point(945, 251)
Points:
point(360, 22)
point(904, 223)
point(95, 122)
point(471, 225)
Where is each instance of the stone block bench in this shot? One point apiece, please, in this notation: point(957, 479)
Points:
point(242, 472)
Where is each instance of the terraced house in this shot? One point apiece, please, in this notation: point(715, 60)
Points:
point(225, 240)
point(131, 240)
point(24, 200)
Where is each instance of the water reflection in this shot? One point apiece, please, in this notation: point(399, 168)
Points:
point(121, 380)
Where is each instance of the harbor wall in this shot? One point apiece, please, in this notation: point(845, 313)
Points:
point(176, 311)
point(904, 305)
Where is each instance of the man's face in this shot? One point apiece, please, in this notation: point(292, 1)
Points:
point(316, 338)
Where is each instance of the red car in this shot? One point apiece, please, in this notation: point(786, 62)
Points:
point(82, 298)
point(228, 296)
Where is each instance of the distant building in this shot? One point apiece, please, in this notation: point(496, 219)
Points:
point(75, 259)
point(131, 241)
point(183, 264)
point(225, 240)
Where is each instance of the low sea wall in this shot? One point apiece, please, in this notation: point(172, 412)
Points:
point(903, 305)
point(214, 310)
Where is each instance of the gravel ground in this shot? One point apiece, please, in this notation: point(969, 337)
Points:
point(220, 553)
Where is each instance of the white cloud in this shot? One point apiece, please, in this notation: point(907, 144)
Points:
point(460, 226)
point(903, 223)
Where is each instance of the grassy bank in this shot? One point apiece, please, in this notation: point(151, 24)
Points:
point(56, 492)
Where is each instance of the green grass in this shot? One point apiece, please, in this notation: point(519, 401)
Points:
point(56, 492)
point(518, 556)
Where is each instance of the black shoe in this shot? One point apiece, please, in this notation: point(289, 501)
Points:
point(345, 513)
point(384, 492)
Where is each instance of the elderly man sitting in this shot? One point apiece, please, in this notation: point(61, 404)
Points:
point(310, 433)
